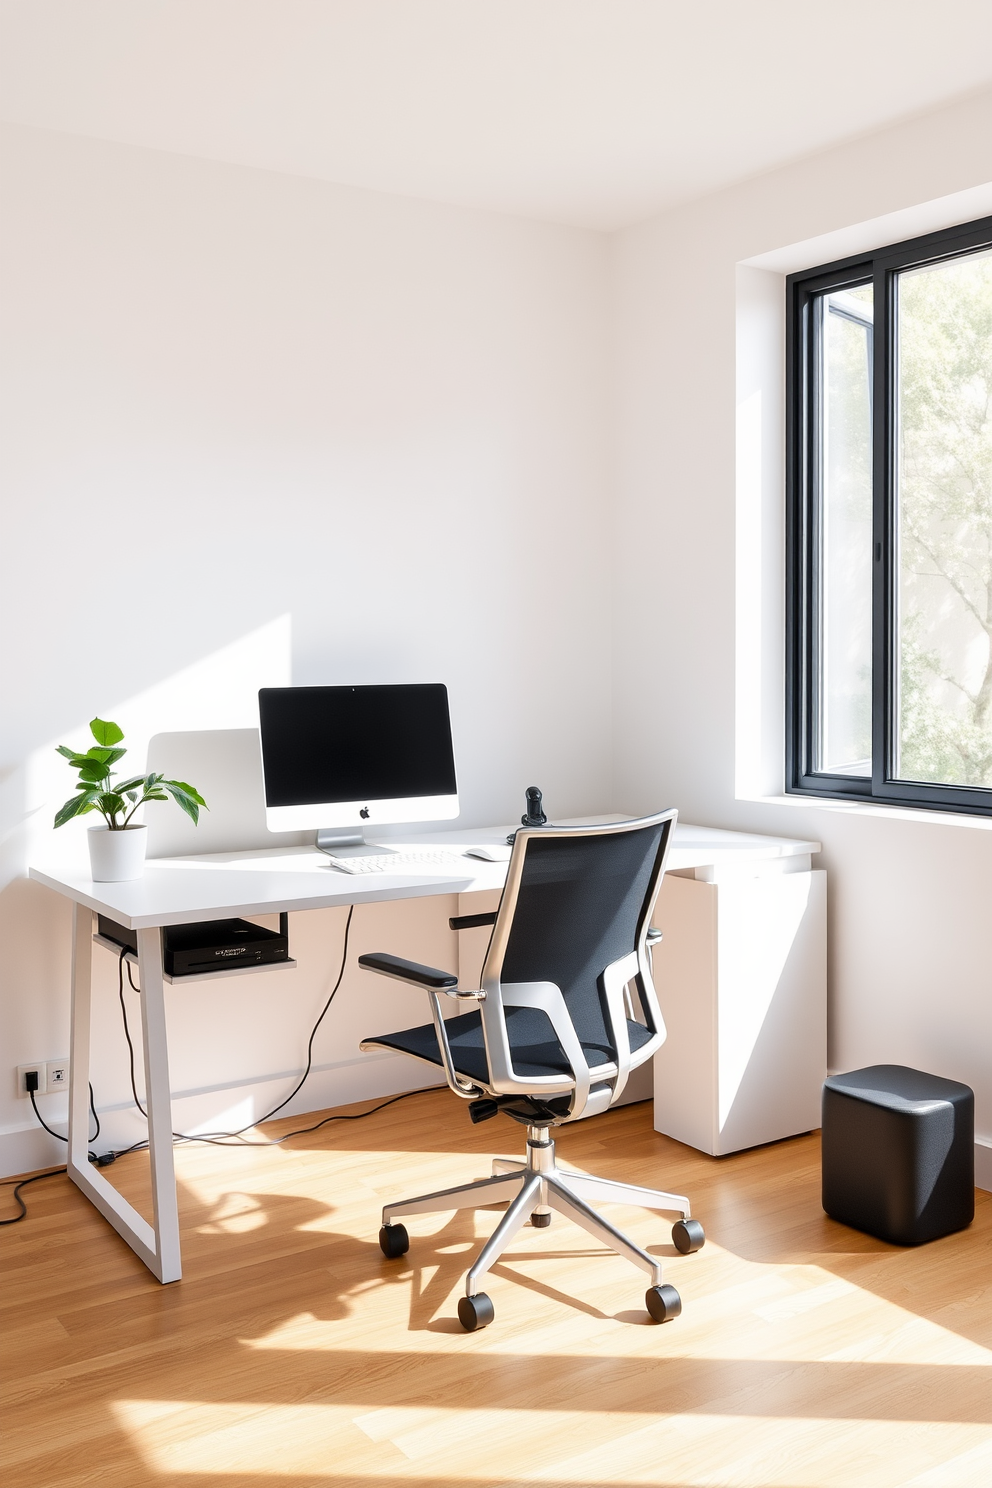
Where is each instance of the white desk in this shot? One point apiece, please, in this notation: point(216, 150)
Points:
point(223, 885)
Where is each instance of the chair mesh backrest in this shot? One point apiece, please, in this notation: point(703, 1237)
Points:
point(580, 902)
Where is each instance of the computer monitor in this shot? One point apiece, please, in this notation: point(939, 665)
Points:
point(340, 759)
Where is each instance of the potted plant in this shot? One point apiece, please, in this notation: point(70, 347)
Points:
point(117, 848)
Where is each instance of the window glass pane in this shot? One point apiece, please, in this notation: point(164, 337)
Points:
point(944, 486)
point(845, 508)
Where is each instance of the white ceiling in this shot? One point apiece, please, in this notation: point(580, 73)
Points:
point(592, 112)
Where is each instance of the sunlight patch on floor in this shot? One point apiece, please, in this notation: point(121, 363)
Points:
point(971, 1467)
point(796, 1303)
point(683, 1451)
point(780, 1452)
point(768, 1315)
point(338, 1178)
point(178, 1436)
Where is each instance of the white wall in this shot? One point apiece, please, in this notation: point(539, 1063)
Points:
point(239, 407)
point(698, 670)
point(281, 397)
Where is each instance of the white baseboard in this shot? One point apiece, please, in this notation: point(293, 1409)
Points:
point(223, 1108)
point(25, 1148)
point(983, 1163)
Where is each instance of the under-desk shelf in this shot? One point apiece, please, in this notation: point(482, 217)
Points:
point(197, 976)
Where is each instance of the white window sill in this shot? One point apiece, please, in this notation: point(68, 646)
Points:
point(875, 808)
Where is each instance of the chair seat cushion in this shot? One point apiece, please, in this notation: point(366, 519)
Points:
point(536, 1052)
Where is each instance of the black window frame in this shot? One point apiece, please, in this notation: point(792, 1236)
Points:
point(879, 268)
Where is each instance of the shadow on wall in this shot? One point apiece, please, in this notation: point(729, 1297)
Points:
point(218, 692)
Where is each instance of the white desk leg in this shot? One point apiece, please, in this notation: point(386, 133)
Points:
point(158, 1247)
point(158, 1101)
point(79, 1042)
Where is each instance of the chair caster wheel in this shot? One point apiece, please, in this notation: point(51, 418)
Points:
point(688, 1235)
point(663, 1303)
point(477, 1312)
point(394, 1241)
point(541, 1221)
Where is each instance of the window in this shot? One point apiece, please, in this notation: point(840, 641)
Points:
point(889, 368)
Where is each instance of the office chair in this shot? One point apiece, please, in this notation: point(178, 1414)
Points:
point(552, 1036)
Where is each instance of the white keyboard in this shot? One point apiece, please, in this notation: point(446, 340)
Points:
point(413, 860)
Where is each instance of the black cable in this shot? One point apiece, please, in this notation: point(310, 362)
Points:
point(304, 1131)
point(20, 1183)
point(23, 1182)
point(313, 1032)
point(223, 1139)
point(58, 1135)
point(358, 1116)
point(216, 1139)
point(127, 1031)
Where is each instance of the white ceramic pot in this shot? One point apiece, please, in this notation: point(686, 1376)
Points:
point(117, 856)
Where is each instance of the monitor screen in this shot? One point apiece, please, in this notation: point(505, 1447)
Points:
point(337, 756)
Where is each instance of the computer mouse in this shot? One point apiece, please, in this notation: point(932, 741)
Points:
point(490, 852)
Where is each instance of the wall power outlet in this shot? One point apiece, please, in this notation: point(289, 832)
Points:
point(53, 1074)
point(40, 1069)
point(58, 1075)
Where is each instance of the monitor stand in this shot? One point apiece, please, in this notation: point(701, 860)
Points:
point(349, 842)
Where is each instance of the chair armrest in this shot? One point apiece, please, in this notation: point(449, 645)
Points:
point(472, 922)
point(408, 971)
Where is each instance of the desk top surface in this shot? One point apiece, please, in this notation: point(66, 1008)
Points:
point(217, 886)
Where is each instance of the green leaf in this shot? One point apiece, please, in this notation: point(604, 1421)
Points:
point(94, 770)
point(79, 760)
point(105, 732)
point(112, 805)
point(69, 754)
point(181, 798)
point(154, 796)
point(75, 807)
point(190, 790)
point(120, 786)
point(108, 756)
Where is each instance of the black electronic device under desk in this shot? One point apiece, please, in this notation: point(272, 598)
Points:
point(209, 945)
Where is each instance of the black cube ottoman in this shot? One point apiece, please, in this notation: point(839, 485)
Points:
point(899, 1153)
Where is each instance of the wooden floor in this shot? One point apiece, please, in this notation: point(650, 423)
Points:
point(293, 1354)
